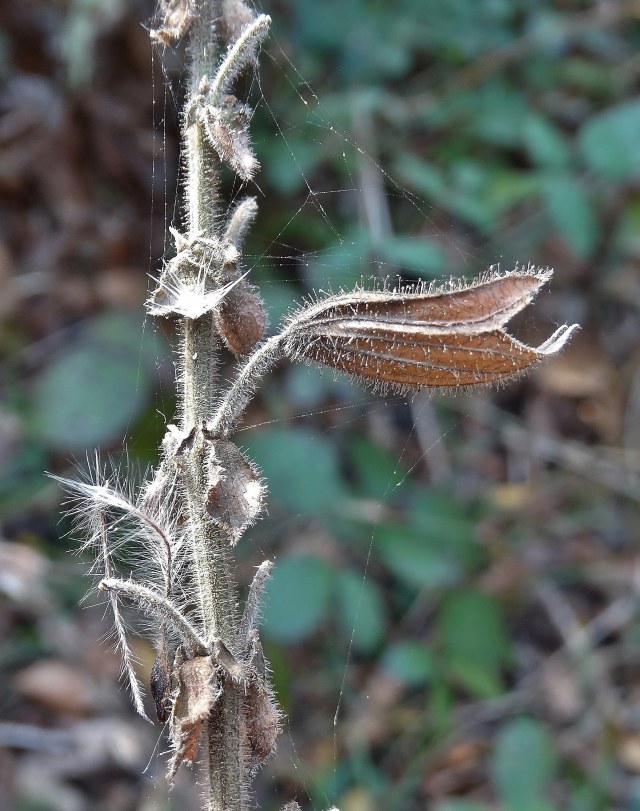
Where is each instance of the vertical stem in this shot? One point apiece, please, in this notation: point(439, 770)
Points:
point(215, 572)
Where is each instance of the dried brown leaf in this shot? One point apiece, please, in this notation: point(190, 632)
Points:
point(421, 338)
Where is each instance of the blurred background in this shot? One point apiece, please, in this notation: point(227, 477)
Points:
point(456, 579)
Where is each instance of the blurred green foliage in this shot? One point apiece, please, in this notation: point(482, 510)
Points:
point(114, 383)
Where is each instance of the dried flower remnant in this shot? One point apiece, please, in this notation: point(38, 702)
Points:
point(198, 691)
point(236, 493)
point(223, 118)
point(175, 18)
point(424, 337)
point(227, 128)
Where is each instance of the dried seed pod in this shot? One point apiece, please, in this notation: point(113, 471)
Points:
point(241, 319)
point(419, 337)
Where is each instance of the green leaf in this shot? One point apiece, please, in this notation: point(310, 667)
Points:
point(297, 597)
point(627, 239)
point(378, 472)
point(609, 141)
point(288, 162)
point(523, 765)
point(360, 610)
point(445, 524)
point(571, 212)
point(474, 639)
point(544, 143)
point(410, 662)
point(477, 192)
point(128, 333)
point(460, 805)
point(413, 560)
point(589, 76)
point(506, 189)
point(422, 256)
point(302, 470)
point(423, 176)
point(90, 394)
point(341, 265)
point(500, 108)
point(21, 476)
point(479, 679)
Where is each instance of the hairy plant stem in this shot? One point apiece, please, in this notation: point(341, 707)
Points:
point(216, 581)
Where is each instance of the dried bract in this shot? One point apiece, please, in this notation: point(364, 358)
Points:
point(247, 634)
point(239, 221)
point(180, 295)
point(241, 54)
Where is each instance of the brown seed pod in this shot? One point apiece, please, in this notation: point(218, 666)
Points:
point(424, 338)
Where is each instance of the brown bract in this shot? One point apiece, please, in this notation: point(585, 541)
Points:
point(424, 338)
